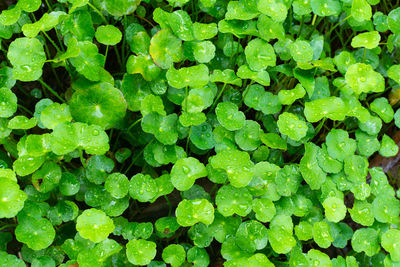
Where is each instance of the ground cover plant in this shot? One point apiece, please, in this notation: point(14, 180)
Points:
point(199, 132)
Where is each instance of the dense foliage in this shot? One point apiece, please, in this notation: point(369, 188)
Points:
point(198, 132)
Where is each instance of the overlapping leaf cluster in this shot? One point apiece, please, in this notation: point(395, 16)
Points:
point(192, 132)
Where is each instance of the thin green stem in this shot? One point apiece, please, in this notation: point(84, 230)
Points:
point(7, 226)
point(45, 85)
point(82, 158)
point(137, 156)
point(105, 56)
point(25, 109)
point(217, 98)
point(188, 140)
point(314, 19)
point(98, 12)
point(169, 205)
point(51, 41)
point(133, 124)
point(338, 24)
point(48, 5)
point(118, 58)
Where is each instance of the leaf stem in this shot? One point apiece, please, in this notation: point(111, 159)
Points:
point(45, 85)
point(137, 156)
point(98, 12)
point(7, 226)
point(51, 41)
point(217, 98)
point(337, 24)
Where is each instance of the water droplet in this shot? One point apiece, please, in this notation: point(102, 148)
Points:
point(186, 169)
point(95, 132)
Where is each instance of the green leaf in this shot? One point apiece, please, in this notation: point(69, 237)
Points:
point(237, 165)
point(393, 20)
point(97, 168)
point(264, 208)
point(36, 233)
point(261, 77)
point(273, 140)
point(366, 240)
point(260, 55)
point(174, 254)
point(47, 177)
point(140, 252)
point(26, 164)
point(203, 31)
point(386, 208)
point(143, 187)
point(281, 240)
point(361, 10)
point(388, 147)
point(185, 172)
point(55, 114)
point(251, 236)
point(248, 137)
point(231, 200)
point(46, 23)
point(108, 35)
point(301, 51)
point(95, 225)
point(289, 124)
point(162, 127)
point(363, 79)
point(316, 257)
point(367, 144)
point(329, 107)
point(11, 198)
point(288, 97)
point(369, 40)
point(339, 145)
point(326, 8)
point(309, 168)
point(190, 212)
point(101, 104)
point(362, 213)
point(227, 76)
point(119, 8)
point(27, 57)
point(335, 210)
point(198, 256)
point(273, 8)
point(390, 242)
point(229, 116)
point(89, 62)
point(117, 184)
point(322, 234)
point(165, 49)
point(382, 107)
point(195, 76)
point(22, 122)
